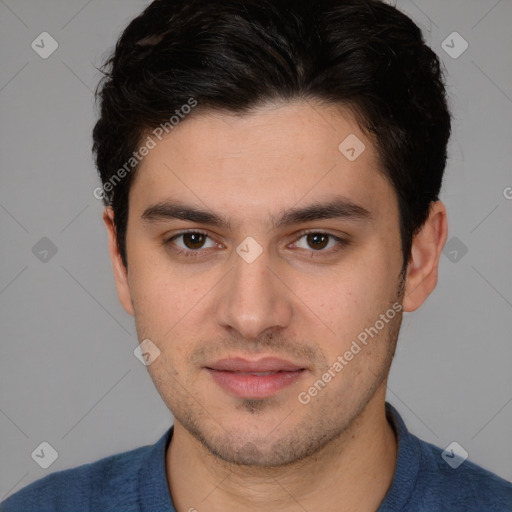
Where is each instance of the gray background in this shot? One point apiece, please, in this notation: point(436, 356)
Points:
point(68, 375)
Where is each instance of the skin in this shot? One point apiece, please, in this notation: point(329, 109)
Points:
point(303, 304)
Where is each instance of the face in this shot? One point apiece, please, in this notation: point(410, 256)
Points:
point(258, 254)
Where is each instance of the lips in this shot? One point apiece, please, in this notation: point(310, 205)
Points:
point(254, 379)
point(267, 364)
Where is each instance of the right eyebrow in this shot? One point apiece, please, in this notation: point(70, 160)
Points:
point(168, 210)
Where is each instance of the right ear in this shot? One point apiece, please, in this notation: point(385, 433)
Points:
point(120, 271)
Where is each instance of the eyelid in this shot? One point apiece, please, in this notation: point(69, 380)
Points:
point(321, 231)
point(185, 231)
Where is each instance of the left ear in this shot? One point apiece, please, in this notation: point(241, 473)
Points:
point(427, 245)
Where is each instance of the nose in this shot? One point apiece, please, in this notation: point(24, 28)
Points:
point(253, 301)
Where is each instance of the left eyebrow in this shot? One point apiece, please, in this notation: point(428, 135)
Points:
point(339, 208)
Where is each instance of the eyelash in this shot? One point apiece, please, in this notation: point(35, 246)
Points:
point(191, 253)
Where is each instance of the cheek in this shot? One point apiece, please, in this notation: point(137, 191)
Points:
point(350, 298)
point(169, 306)
point(156, 294)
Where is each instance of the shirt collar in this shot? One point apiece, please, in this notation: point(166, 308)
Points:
point(407, 465)
point(153, 491)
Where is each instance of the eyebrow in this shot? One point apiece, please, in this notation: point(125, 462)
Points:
point(338, 208)
point(168, 210)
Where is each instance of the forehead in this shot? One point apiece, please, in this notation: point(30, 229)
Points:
point(274, 157)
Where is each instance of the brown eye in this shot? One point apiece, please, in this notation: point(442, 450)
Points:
point(191, 244)
point(194, 240)
point(317, 241)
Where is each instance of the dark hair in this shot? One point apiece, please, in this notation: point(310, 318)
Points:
point(233, 55)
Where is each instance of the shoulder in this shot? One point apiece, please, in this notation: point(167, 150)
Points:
point(430, 479)
point(84, 487)
point(459, 484)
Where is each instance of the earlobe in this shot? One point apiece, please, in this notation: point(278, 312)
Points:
point(422, 270)
point(120, 271)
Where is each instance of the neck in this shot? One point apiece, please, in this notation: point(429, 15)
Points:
point(353, 472)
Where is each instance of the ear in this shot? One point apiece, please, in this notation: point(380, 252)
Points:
point(422, 270)
point(120, 271)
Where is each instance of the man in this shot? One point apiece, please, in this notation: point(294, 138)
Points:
point(271, 173)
